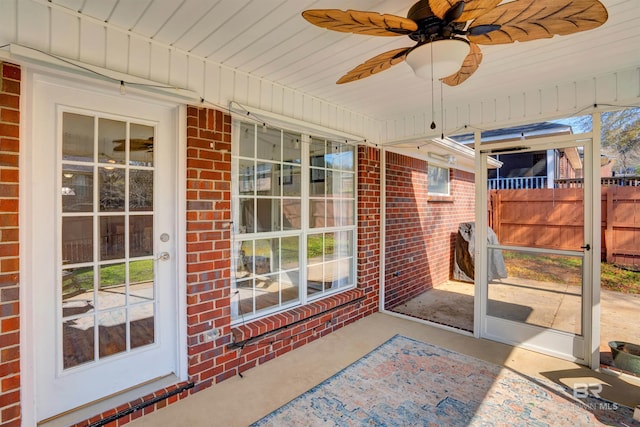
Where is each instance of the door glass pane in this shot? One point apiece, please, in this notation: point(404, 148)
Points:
point(77, 137)
point(540, 289)
point(77, 341)
point(141, 281)
point(77, 291)
point(77, 239)
point(141, 145)
point(141, 190)
point(111, 237)
point(142, 325)
point(112, 188)
point(112, 332)
point(77, 188)
point(140, 235)
point(112, 141)
point(112, 291)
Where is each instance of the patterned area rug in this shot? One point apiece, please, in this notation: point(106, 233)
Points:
point(405, 382)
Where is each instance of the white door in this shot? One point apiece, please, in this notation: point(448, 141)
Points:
point(101, 188)
point(536, 271)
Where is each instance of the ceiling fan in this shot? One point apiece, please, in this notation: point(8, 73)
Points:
point(135, 144)
point(461, 26)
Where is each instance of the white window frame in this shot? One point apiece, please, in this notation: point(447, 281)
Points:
point(303, 232)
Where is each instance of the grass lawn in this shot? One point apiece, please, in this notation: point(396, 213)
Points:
point(563, 269)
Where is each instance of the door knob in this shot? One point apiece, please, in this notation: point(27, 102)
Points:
point(164, 256)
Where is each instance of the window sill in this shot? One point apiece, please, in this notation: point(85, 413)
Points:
point(440, 198)
point(256, 329)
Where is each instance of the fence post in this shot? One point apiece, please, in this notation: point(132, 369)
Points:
point(608, 234)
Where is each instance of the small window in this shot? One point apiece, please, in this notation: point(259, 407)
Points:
point(438, 180)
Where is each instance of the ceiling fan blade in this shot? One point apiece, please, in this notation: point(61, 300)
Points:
point(480, 30)
point(469, 66)
point(376, 64)
point(472, 8)
point(525, 20)
point(357, 22)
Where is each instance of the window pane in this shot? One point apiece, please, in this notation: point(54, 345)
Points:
point(292, 143)
point(77, 137)
point(315, 248)
point(268, 215)
point(347, 158)
point(247, 216)
point(140, 190)
point(244, 300)
point(329, 246)
point(291, 178)
point(267, 179)
point(438, 180)
point(111, 237)
point(112, 290)
point(290, 253)
point(316, 213)
point(317, 182)
point(112, 141)
point(77, 188)
point(340, 212)
point(247, 140)
point(290, 283)
point(112, 189)
point(141, 235)
point(77, 239)
point(317, 152)
point(244, 260)
point(269, 145)
point(343, 244)
point(141, 145)
point(267, 291)
point(246, 178)
point(291, 214)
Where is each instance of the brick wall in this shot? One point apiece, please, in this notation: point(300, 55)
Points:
point(421, 229)
point(10, 76)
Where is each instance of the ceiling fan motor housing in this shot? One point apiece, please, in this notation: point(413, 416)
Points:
point(430, 27)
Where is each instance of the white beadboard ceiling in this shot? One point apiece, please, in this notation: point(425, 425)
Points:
point(270, 39)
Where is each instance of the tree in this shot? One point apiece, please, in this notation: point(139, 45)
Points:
point(621, 138)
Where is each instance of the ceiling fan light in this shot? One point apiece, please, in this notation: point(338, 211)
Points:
point(448, 56)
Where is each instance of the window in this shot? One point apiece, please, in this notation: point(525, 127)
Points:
point(438, 180)
point(294, 210)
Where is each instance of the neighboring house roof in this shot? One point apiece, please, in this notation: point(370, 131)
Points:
point(534, 130)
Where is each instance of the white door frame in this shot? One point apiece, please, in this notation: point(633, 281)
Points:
point(27, 316)
point(589, 343)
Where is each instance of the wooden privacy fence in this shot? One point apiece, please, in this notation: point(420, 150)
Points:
point(553, 218)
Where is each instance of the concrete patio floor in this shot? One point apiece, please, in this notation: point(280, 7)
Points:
point(543, 304)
